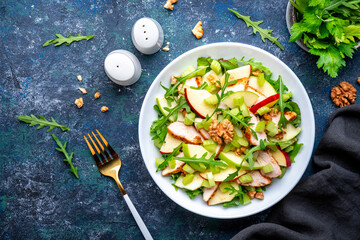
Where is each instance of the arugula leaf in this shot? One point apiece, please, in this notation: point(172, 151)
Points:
point(42, 122)
point(193, 194)
point(68, 158)
point(236, 118)
point(169, 157)
point(238, 199)
point(228, 64)
point(255, 65)
point(295, 151)
point(202, 61)
point(67, 40)
point(202, 159)
point(264, 33)
point(283, 121)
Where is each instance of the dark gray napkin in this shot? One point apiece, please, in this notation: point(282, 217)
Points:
point(327, 204)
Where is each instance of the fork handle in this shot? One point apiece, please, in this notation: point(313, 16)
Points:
point(138, 219)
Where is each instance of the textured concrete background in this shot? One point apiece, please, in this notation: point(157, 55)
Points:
point(39, 197)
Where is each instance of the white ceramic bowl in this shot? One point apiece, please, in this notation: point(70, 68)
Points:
point(280, 187)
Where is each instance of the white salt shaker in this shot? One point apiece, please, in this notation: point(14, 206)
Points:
point(122, 67)
point(147, 35)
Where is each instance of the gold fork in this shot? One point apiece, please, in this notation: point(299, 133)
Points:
point(109, 165)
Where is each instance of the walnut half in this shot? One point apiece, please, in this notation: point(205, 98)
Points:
point(198, 30)
point(79, 102)
point(220, 132)
point(344, 94)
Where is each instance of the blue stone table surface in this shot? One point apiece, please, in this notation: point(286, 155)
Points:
point(39, 197)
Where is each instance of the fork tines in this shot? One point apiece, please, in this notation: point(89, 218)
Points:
point(104, 154)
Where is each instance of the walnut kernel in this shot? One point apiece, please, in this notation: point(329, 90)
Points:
point(97, 95)
point(104, 108)
point(220, 132)
point(256, 73)
point(173, 79)
point(358, 80)
point(166, 48)
point(83, 90)
point(169, 4)
point(259, 195)
point(79, 102)
point(198, 30)
point(344, 94)
point(79, 78)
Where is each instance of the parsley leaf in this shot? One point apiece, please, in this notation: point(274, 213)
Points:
point(264, 33)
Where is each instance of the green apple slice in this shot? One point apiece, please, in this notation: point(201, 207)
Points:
point(195, 184)
point(223, 174)
point(249, 98)
point(267, 89)
point(195, 99)
point(237, 74)
point(170, 144)
point(290, 133)
point(221, 197)
point(234, 160)
point(162, 104)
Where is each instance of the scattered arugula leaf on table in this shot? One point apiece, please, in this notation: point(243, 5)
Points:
point(68, 158)
point(67, 40)
point(264, 33)
point(32, 120)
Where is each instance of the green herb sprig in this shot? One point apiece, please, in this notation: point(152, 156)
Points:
point(67, 40)
point(68, 158)
point(169, 157)
point(264, 33)
point(32, 120)
point(207, 161)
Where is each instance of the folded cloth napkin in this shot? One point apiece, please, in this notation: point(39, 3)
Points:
point(327, 204)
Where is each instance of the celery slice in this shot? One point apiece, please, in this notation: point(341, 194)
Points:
point(220, 118)
point(209, 145)
point(189, 118)
point(211, 179)
point(223, 187)
point(289, 149)
point(205, 183)
point(261, 111)
point(250, 189)
point(215, 66)
point(158, 161)
point(157, 143)
point(268, 168)
point(244, 110)
point(272, 129)
point(246, 178)
point(212, 100)
point(188, 169)
point(246, 199)
point(172, 163)
point(235, 111)
point(214, 169)
point(211, 88)
point(260, 127)
point(261, 79)
point(188, 70)
point(188, 179)
point(227, 147)
point(239, 101)
point(286, 96)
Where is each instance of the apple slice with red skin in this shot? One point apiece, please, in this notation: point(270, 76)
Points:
point(195, 99)
point(281, 157)
point(269, 101)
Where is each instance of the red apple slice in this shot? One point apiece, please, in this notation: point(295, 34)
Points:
point(170, 144)
point(281, 157)
point(195, 99)
point(269, 102)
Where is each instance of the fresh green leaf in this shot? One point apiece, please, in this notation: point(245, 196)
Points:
point(202, 61)
point(169, 157)
point(207, 161)
point(228, 65)
point(255, 65)
point(264, 33)
point(295, 151)
point(42, 122)
point(352, 31)
point(68, 158)
point(193, 194)
point(67, 40)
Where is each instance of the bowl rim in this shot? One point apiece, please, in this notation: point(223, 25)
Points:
point(227, 44)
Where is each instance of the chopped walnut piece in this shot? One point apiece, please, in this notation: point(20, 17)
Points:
point(83, 90)
point(252, 194)
point(79, 78)
point(240, 151)
point(166, 48)
point(344, 94)
point(97, 95)
point(259, 195)
point(173, 79)
point(220, 132)
point(79, 102)
point(267, 117)
point(104, 108)
point(256, 73)
point(169, 4)
point(198, 30)
point(358, 80)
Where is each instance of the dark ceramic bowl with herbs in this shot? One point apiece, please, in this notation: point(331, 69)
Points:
point(329, 29)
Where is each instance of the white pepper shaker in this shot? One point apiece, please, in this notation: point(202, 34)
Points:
point(122, 67)
point(147, 35)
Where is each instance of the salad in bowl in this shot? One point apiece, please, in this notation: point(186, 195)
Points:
point(226, 130)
